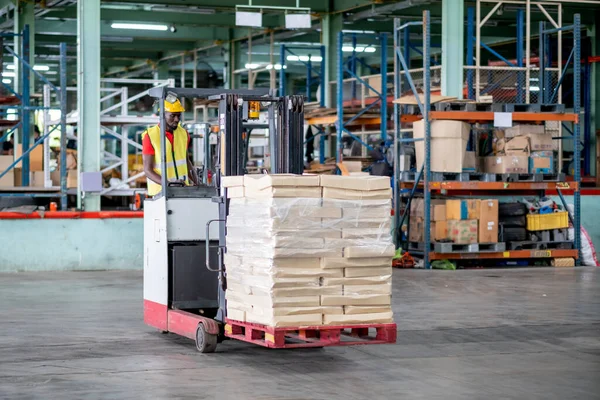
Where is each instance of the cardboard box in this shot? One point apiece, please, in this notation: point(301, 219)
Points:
point(367, 212)
point(269, 181)
point(371, 318)
point(379, 251)
point(463, 232)
point(235, 314)
point(270, 301)
point(36, 157)
point(517, 146)
point(287, 320)
point(381, 288)
point(232, 181)
point(357, 300)
point(462, 209)
point(488, 221)
point(18, 174)
point(8, 180)
point(368, 271)
point(470, 162)
point(439, 212)
point(348, 194)
point(440, 230)
point(522, 130)
point(506, 164)
point(541, 162)
point(282, 191)
point(37, 179)
point(358, 281)
point(72, 178)
point(371, 262)
point(5, 162)
point(417, 208)
point(350, 310)
point(355, 182)
point(541, 142)
point(448, 144)
point(55, 177)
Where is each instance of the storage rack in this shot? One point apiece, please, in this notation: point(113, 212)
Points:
point(24, 108)
point(423, 180)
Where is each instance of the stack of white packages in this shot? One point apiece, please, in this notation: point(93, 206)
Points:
point(307, 251)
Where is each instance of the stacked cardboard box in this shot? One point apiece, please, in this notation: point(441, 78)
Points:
point(521, 149)
point(308, 250)
point(472, 221)
point(448, 146)
point(9, 178)
point(417, 217)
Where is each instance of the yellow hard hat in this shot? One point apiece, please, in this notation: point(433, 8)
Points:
point(174, 107)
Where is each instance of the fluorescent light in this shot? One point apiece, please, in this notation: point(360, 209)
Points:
point(277, 66)
point(144, 27)
point(51, 73)
point(347, 49)
point(10, 66)
point(8, 74)
point(316, 58)
point(245, 18)
point(534, 88)
point(41, 68)
point(359, 49)
point(293, 58)
point(184, 9)
point(356, 31)
point(251, 66)
point(7, 81)
point(370, 49)
point(303, 58)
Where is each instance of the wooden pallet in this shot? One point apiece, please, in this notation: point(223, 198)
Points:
point(312, 336)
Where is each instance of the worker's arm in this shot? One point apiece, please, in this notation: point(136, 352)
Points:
point(149, 168)
point(192, 172)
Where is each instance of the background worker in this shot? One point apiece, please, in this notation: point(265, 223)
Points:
point(179, 167)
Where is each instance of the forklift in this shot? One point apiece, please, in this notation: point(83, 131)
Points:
point(184, 226)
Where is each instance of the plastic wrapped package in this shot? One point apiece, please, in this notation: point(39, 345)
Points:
point(287, 255)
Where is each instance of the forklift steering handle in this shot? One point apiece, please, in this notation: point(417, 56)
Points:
point(207, 245)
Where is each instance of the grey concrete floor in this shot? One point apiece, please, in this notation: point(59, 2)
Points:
point(478, 334)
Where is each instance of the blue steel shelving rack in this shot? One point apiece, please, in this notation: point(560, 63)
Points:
point(425, 106)
point(24, 109)
point(310, 81)
point(381, 94)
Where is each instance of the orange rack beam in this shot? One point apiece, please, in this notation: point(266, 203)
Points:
point(475, 116)
point(514, 254)
point(476, 185)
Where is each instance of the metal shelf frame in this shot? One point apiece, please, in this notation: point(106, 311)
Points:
point(348, 66)
point(423, 180)
point(24, 109)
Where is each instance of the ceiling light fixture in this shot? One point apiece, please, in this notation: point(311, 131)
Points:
point(41, 68)
point(251, 66)
point(8, 74)
point(7, 81)
point(142, 27)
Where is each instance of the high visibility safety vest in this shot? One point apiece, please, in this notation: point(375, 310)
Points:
point(176, 157)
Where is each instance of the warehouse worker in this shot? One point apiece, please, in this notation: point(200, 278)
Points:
point(179, 167)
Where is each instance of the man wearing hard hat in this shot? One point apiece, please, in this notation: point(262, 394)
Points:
point(179, 167)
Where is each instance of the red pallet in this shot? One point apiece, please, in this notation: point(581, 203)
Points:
point(312, 336)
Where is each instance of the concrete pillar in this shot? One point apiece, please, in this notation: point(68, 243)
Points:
point(453, 27)
point(88, 94)
point(330, 26)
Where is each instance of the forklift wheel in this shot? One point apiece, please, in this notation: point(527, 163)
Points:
point(205, 342)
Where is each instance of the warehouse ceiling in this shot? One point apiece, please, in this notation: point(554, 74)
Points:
point(210, 24)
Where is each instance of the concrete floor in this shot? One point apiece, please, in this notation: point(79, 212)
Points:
point(509, 334)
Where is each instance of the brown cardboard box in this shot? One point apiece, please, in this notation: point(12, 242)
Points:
point(72, 179)
point(355, 182)
point(275, 180)
point(417, 229)
point(470, 161)
point(37, 179)
point(18, 174)
point(371, 318)
point(55, 176)
point(522, 130)
point(417, 208)
point(347, 194)
point(506, 164)
point(462, 209)
point(350, 310)
point(5, 162)
point(488, 221)
point(440, 231)
point(541, 142)
point(8, 180)
point(518, 146)
point(463, 232)
point(385, 250)
point(36, 157)
point(371, 262)
point(439, 212)
point(448, 144)
point(368, 271)
point(356, 300)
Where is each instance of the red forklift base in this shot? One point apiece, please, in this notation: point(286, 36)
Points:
point(313, 336)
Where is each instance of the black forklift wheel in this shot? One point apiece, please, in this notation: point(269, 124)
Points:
point(205, 342)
